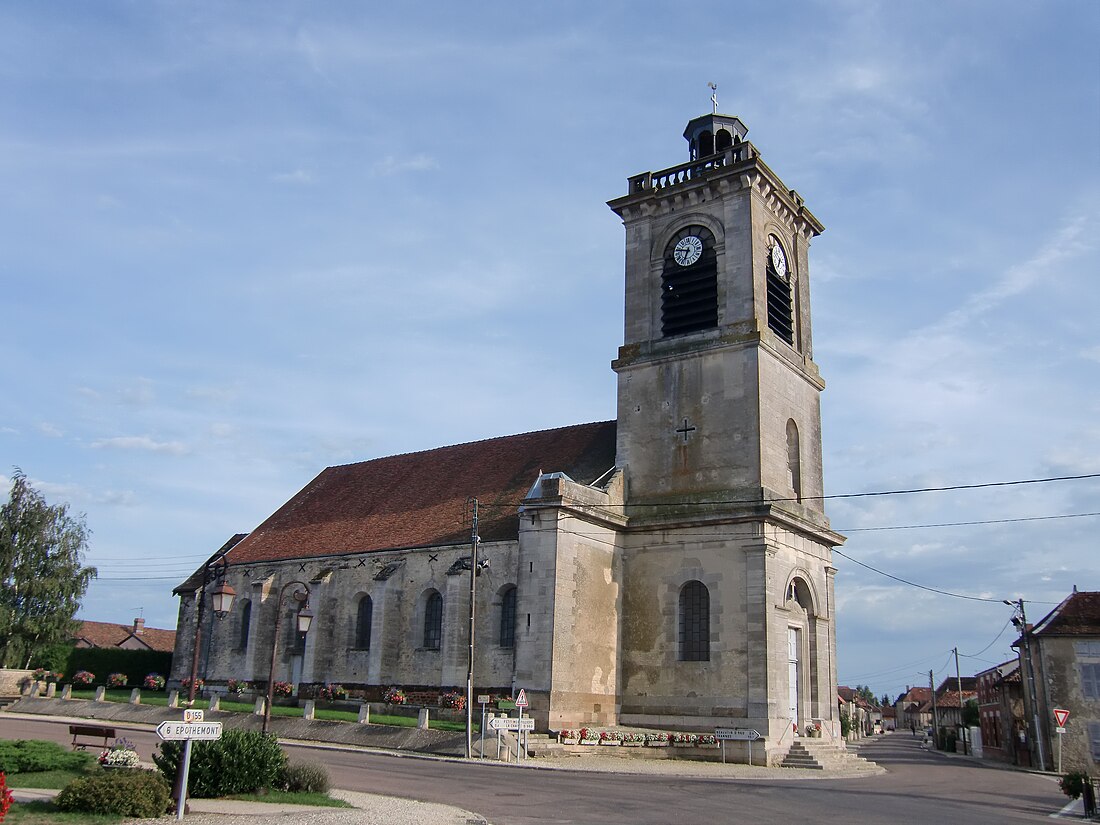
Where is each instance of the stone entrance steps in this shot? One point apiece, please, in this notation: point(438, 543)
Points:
point(825, 755)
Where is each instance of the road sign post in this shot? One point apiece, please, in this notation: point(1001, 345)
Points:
point(521, 705)
point(193, 727)
point(1061, 716)
point(483, 700)
point(724, 735)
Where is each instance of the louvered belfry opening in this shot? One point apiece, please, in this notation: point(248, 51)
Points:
point(689, 294)
point(780, 315)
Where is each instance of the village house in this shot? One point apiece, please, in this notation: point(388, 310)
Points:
point(1001, 714)
point(135, 636)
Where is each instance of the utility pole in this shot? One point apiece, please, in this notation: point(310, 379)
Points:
point(935, 713)
point(962, 724)
point(474, 539)
point(1021, 624)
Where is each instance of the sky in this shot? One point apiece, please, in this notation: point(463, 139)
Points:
point(245, 241)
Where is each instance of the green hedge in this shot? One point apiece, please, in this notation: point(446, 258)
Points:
point(103, 661)
point(33, 755)
point(239, 762)
point(126, 791)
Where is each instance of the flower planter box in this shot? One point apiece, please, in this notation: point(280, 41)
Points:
point(569, 741)
point(632, 744)
point(613, 742)
point(588, 742)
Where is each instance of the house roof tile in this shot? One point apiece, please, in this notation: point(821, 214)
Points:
point(1077, 615)
point(419, 499)
point(106, 634)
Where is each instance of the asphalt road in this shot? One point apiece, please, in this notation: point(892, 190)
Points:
point(919, 787)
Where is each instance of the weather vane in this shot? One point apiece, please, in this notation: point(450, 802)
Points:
point(713, 95)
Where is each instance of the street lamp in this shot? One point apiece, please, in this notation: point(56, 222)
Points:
point(222, 599)
point(1020, 621)
point(304, 619)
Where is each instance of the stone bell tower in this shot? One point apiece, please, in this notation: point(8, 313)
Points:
point(728, 583)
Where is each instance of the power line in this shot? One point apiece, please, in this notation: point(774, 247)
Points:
point(914, 584)
point(964, 523)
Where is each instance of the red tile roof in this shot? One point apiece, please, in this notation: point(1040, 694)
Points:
point(105, 634)
point(419, 499)
point(1077, 615)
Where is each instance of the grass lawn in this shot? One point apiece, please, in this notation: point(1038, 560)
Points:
point(46, 813)
point(159, 699)
point(43, 779)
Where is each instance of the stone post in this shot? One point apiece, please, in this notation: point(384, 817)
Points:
point(258, 708)
point(135, 696)
point(173, 698)
point(101, 693)
point(215, 701)
point(422, 719)
point(364, 713)
point(51, 690)
point(310, 708)
point(67, 692)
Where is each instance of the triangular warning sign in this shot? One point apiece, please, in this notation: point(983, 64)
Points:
point(521, 700)
point(1060, 716)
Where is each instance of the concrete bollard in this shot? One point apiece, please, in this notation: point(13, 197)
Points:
point(36, 689)
point(216, 701)
point(364, 714)
point(422, 719)
point(258, 708)
point(67, 692)
point(173, 698)
point(51, 690)
point(101, 693)
point(135, 696)
point(309, 710)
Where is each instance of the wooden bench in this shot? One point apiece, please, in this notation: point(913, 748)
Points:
point(96, 732)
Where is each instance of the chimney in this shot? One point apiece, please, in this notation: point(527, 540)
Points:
point(139, 626)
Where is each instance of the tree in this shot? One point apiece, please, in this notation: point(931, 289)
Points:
point(42, 574)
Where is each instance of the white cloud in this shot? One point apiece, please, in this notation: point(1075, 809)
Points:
point(142, 443)
point(391, 165)
point(299, 176)
point(50, 430)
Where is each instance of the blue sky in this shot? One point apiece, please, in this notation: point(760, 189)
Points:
point(243, 242)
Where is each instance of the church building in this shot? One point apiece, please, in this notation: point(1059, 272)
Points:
point(669, 569)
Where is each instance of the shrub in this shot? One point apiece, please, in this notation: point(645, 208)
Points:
point(136, 793)
point(453, 699)
point(33, 755)
point(306, 777)
point(332, 693)
point(241, 761)
point(83, 678)
point(117, 680)
point(282, 689)
point(154, 681)
point(1073, 783)
point(236, 686)
point(5, 797)
point(395, 696)
point(185, 685)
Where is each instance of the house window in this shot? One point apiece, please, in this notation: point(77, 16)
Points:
point(508, 618)
point(246, 623)
point(433, 621)
point(694, 622)
point(689, 283)
point(1088, 649)
point(363, 615)
point(1090, 680)
point(1094, 740)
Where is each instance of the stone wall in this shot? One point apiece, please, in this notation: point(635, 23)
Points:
point(12, 681)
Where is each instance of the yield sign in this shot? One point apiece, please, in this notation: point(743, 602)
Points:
point(1060, 716)
point(521, 700)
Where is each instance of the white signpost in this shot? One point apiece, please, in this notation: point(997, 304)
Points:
point(483, 700)
point(504, 723)
point(724, 735)
point(1060, 717)
point(189, 730)
point(521, 704)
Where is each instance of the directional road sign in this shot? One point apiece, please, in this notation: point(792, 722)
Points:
point(743, 734)
point(189, 730)
point(504, 723)
point(1061, 716)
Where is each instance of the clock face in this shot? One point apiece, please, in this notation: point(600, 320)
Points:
point(779, 259)
point(688, 250)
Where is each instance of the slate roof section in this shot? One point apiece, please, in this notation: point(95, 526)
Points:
point(106, 634)
point(419, 499)
point(1077, 615)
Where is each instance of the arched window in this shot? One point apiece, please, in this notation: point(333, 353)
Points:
point(794, 460)
point(508, 618)
point(246, 622)
point(433, 621)
point(780, 304)
point(363, 615)
point(694, 622)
